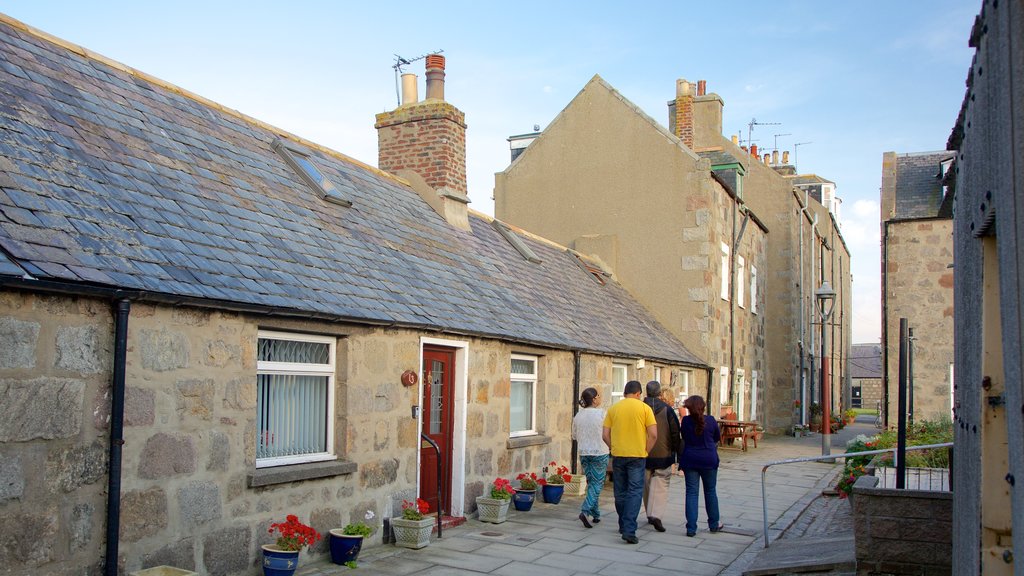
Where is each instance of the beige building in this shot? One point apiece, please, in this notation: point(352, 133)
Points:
point(208, 323)
point(917, 281)
point(720, 245)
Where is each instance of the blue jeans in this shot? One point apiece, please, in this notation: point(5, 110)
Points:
point(595, 468)
point(694, 477)
point(628, 482)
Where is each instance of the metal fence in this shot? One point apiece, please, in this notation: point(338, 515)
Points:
point(930, 479)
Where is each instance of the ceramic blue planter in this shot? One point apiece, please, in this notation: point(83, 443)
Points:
point(523, 499)
point(553, 493)
point(344, 548)
point(279, 562)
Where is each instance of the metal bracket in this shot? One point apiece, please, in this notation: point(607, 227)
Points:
point(996, 401)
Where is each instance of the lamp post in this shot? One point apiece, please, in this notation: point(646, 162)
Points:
point(825, 296)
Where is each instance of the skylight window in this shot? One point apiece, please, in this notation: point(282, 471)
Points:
point(516, 241)
point(596, 272)
point(304, 166)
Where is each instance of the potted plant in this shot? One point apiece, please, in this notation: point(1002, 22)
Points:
point(412, 528)
point(282, 557)
point(348, 541)
point(815, 422)
point(554, 484)
point(526, 493)
point(494, 508)
point(850, 415)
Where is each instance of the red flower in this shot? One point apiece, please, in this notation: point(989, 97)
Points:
point(294, 534)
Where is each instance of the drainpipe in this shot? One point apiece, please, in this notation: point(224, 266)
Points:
point(885, 326)
point(124, 307)
point(736, 237)
point(575, 405)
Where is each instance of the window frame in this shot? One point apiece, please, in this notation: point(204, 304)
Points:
point(319, 183)
point(725, 272)
point(617, 395)
point(533, 379)
point(723, 385)
point(753, 289)
point(741, 270)
point(302, 369)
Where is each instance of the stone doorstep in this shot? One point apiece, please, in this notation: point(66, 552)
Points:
point(805, 555)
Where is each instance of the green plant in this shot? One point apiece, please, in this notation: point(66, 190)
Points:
point(359, 528)
point(294, 535)
point(557, 478)
point(847, 480)
point(501, 489)
point(923, 432)
point(849, 415)
point(815, 409)
point(415, 510)
point(860, 443)
point(351, 564)
point(527, 481)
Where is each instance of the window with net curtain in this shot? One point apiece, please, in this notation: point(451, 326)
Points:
point(619, 374)
point(294, 398)
point(523, 401)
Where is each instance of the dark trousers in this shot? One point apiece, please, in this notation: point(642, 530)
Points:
point(628, 484)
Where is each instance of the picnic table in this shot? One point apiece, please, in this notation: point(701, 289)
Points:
point(738, 430)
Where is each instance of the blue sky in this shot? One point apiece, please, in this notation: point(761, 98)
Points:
point(855, 79)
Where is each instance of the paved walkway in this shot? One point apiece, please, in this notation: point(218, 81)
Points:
point(549, 540)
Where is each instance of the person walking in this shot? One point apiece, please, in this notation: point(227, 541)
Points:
point(661, 457)
point(699, 463)
point(630, 431)
point(587, 427)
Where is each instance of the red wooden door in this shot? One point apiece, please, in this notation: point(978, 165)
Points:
point(437, 410)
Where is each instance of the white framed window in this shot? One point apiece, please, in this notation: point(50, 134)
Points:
point(741, 272)
point(723, 386)
point(523, 404)
point(657, 373)
point(294, 398)
point(618, 381)
point(725, 271)
point(684, 386)
point(753, 289)
point(753, 394)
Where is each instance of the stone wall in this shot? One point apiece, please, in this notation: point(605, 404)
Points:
point(188, 493)
point(901, 531)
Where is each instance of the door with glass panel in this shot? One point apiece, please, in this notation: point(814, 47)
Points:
point(437, 412)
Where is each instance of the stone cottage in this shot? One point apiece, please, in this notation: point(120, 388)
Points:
point(208, 323)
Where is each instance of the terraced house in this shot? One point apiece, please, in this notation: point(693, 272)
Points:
point(209, 323)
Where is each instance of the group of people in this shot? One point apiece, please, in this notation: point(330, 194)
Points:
point(646, 439)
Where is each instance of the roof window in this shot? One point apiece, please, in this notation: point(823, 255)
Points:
point(303, 165)
point(516, 241)
point(595, 271)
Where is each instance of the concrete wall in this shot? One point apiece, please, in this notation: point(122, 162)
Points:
point(919, 287)
point(190, 429)
point(901, 531)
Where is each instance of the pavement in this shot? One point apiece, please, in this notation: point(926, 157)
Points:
point(550, 540)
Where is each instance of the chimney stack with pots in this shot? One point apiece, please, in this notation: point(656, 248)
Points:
point(694, 116)
point(775, 156)
point(785, 157)
point(425, 143)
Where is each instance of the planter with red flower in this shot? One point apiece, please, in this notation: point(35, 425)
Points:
point(494, 508)
point(554, 485)
point(413, 527)
point(282, 557)
point(526, 493)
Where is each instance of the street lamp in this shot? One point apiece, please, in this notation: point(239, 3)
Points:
point(826, 297)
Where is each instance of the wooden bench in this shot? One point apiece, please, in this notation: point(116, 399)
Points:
point(738, 430)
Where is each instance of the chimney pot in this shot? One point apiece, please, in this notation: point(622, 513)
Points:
point(735, 139)
point(767, 158)
point(435, 77)
point(702, 86)
point(753, 150)
point(775, 156)
point(409, 89)
point(785, 157)
point(684, 88)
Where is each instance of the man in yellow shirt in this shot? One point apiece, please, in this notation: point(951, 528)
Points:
point(630, 430)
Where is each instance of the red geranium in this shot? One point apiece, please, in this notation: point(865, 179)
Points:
point(294, 535)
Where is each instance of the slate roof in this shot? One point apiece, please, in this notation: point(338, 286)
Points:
point(112, 179)
point(866, 361)
point(919, 184)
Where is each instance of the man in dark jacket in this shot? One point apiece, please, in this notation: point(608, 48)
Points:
point(660, 459)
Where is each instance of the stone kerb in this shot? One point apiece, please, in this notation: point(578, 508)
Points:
point(901, 531)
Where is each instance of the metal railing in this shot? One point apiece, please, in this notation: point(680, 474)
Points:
point(764, 470)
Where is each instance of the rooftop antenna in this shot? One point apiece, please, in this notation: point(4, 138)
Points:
point(777, 140)
point(753, 122)
point(399, 62)
point(796, 154)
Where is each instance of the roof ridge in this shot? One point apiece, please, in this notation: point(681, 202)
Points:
point(86, 53)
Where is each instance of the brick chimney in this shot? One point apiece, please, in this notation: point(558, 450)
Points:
point(695, 116)
point(428, 139)
point(681, 112)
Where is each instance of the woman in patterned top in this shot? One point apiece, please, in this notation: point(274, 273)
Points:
point(586, 430)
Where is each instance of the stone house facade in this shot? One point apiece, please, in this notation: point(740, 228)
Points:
point(212, 323)
point(647, 200)
point(988, 224)
point(917, 280)
point(866, 376)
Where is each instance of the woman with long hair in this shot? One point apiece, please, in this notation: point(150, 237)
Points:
point(586, 430)
point(699, 463)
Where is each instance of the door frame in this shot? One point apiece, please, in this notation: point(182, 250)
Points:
point(460, 374)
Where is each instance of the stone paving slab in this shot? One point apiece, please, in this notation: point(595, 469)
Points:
point(550, 539)
point(805, 555)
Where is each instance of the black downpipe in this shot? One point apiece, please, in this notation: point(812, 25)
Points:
point(910, 376)
point(901, 419)
point(124, 308)
point(575, 405)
